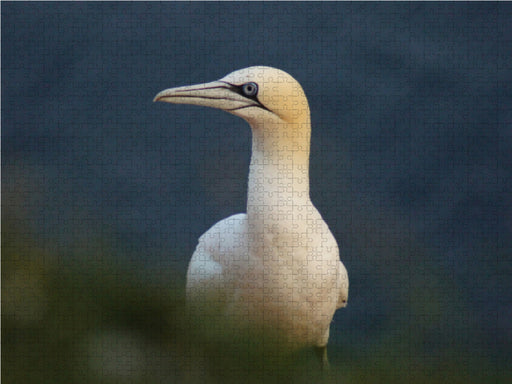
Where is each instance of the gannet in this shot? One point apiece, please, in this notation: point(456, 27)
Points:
point(277, 266)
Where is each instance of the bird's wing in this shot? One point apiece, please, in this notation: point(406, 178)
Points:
point(342, 286)
point(211, 270)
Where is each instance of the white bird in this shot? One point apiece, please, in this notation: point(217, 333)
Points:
point(275, 268)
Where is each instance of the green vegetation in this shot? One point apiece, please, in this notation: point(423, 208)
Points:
point(95, 319)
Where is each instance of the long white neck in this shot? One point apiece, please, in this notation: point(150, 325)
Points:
point(278, 174)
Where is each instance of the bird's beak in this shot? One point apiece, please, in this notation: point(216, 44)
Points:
point(216, 94)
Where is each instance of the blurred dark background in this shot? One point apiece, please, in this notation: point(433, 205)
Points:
point(104, 193)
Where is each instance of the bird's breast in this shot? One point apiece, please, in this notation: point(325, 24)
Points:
point(291, 265)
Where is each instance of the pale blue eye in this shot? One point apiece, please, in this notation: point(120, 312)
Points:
point(250, 89)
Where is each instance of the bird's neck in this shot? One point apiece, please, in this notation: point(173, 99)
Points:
point(279, 171)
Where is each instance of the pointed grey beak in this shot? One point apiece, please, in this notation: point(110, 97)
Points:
point(216, 94)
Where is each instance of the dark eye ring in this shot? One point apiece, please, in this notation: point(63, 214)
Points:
point(250, 89)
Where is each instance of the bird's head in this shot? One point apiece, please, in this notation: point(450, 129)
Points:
point(257, 94)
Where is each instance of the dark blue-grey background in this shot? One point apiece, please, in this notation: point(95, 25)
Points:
point(411, 161)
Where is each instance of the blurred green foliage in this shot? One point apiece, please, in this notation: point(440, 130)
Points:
point(97, 319)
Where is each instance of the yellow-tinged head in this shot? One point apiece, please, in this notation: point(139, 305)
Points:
point(256, 94)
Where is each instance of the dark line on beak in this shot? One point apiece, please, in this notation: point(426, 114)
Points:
point(201, 97)
point(202, 89)
point(243, 106)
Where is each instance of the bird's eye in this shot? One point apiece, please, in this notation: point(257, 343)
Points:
point(250, 89)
